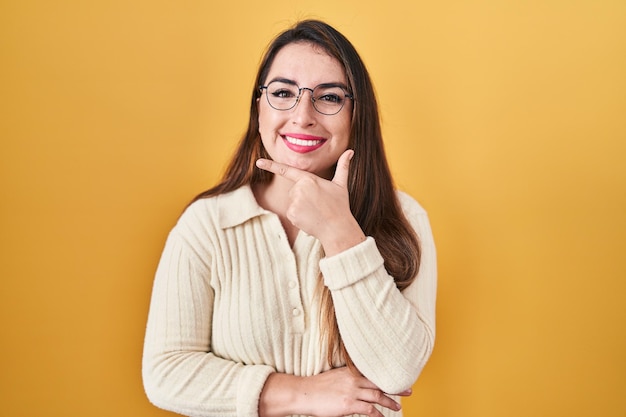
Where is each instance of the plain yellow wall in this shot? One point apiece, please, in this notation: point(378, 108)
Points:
point(506, 119)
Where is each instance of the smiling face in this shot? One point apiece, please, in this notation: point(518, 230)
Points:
point(302, 137)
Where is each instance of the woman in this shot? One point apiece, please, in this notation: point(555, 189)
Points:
point(303, 283)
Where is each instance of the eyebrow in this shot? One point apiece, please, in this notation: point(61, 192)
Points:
point(323, 85)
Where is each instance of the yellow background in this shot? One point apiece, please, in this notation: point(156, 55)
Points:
point(506, 119)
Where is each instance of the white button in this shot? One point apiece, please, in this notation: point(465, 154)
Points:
point(292, 284)
point(296, 312)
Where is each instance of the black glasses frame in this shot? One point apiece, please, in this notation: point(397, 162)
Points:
point(295, 103)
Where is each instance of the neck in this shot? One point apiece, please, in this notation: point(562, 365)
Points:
point(274, 196)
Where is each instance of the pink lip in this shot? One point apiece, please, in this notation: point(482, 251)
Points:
point(314, 142)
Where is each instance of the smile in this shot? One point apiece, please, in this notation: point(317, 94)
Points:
point(303, 143)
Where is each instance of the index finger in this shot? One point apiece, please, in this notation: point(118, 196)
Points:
point(289, 172)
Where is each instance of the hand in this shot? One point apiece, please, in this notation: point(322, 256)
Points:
point(320, 207)
point(338, 392)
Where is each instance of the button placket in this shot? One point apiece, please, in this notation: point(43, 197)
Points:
point(296, 304)
point(292, 307)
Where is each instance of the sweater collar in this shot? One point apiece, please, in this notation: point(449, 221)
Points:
point(237, 207)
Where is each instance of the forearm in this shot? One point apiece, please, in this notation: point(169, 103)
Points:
point(341, 236)
point(201, 384)
point(388, 334)
point(281, 395)
point(384, 335)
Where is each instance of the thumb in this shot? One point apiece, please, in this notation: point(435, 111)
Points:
point(343, 168)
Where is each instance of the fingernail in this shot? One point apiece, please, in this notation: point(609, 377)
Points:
point(351, 155)
point(260, 163)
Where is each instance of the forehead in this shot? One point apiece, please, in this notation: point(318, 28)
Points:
point(307, 65)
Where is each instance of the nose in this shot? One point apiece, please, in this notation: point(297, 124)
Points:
point(304, 111)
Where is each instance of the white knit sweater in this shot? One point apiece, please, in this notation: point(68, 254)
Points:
point(232, 302)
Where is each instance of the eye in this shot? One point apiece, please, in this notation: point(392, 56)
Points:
point(331, 98)
point(283, 93)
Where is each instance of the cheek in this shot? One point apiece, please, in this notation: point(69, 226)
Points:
point(345, 126)
point(265, 118)
point(262, 122)
point(267, 127)
point(346, 119)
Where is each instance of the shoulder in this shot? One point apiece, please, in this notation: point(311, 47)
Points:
point(418, 219)
point(223, 210)
point(196, 226)
point(409, 205)
point(199, 212)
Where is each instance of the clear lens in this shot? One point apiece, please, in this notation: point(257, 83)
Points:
point(282, 96)
point(328, 100)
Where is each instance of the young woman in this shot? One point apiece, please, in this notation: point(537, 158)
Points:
point(302, 283)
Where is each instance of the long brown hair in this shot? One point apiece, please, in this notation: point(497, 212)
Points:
point(372, 196)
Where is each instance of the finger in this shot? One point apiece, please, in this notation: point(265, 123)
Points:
point(343, 168)
point(367, 409)
point(375, 396)
point(367, 384)
point(289, 172)
point(405, 393)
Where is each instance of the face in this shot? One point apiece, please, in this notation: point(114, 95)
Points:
point(302, 137)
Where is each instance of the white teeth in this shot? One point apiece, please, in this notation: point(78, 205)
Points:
point(302, 142)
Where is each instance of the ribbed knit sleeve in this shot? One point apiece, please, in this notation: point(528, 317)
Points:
point(180, 371)
point(388, 334)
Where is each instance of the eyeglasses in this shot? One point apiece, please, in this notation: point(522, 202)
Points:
point(327, 99)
